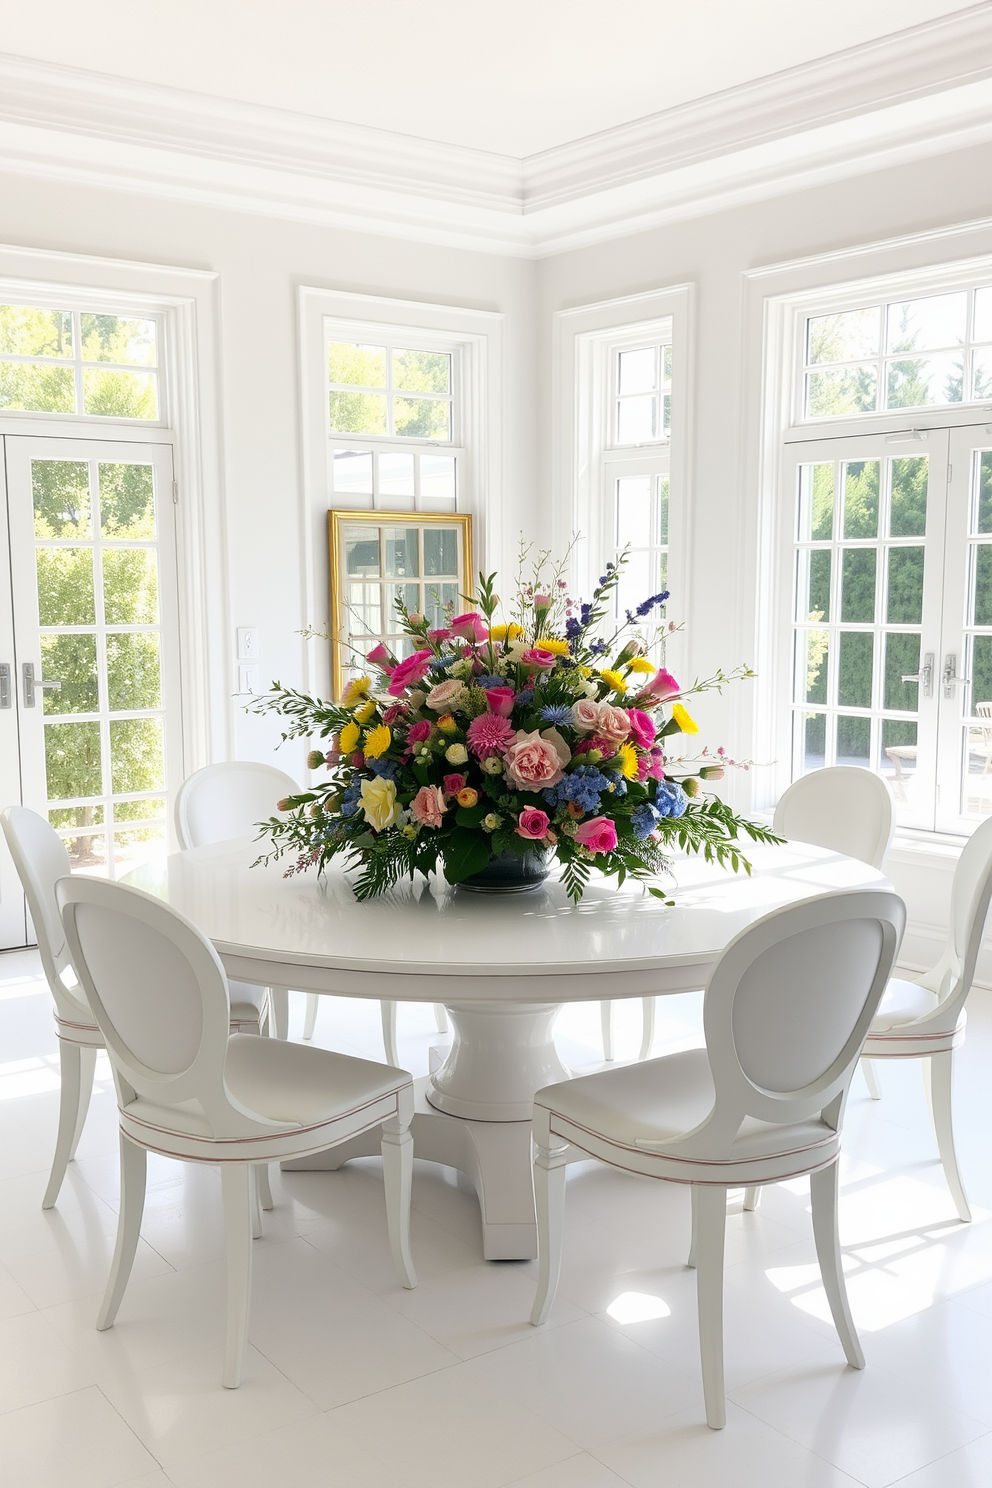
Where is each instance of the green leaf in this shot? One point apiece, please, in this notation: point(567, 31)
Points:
point(466, 853)
point(471, 816)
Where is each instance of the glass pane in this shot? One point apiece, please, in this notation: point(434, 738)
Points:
point(70, 659)
point(26, 330)
point(133, 672)
point(844, 390)
point(636, 419)
point(666, 352)
point(130, 586)
point(361, 551)
point(401, 552)
point(814, 594)
point(138, 845)
point(983, 474)
point(408, 593)
point(76, 816)
point(356, 366)
point(926, 380)
point(422, 418)
point(87, 851)
point(857, 602)
point(861, 498)
point(422, 371)
point(853, 740)
point(151, 809)
point(983, 314)
point(982, 380)
point(814, 655)
point(854, 669)
point(638, 370)
point(436, 599)
point(663, 491)
point(897, 755)
point(121, 394)
point(395, 475)
point(905, 606)
point(633, 509)
point(902, 658)
point(923, 325)
point(981, 673)
point(61, 491)
point(137, 755)
point(357, 413)
point(909, 496)
point(127, 501)
point(364, 609)
point(437, 477)
point(111, 338)
point(73, 760)
point(816, 502)
point(845, 337)
point(666, 416)
point(353, 471)
point(976, 793)
point(814, 741)
point(65, 586)
point(982, 609)
point(37, 389)
point(440, 552)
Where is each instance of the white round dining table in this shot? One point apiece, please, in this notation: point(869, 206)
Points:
point(502, 965)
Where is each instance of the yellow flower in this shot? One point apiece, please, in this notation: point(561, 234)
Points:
point(614, 680)
point(377, 741)
point(584, 671)
point(687, 724)
point(556, 647)
point(628, 761)
point(356, 690)
point(506, 632)
point(348, 738)
point(364, 713)
point(447, 724)
point(640, 664)
point(379, 803)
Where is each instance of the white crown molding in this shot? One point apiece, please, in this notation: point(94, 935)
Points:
point(923, 91)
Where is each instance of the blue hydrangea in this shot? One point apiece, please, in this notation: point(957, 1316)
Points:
point(486, 682)
point(642, 820)
point(386, 768)
point(440, 665)
point(557, 713)
point(670, 799)
point(350, 799)
point(525, 697)
point(618, 783)
point(584, 786)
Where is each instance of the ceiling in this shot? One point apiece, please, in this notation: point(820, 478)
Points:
point(512, 77)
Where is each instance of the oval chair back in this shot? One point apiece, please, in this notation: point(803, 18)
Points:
point(41, 860)
point(224, 801)
point(842, 807)
point(971, 893)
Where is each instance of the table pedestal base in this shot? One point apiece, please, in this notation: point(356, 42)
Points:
point(493, 1155)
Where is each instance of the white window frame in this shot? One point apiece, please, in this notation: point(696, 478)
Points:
point(475, 337)
point(779, 298)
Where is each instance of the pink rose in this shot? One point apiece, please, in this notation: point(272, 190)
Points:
point(394, 711)
point(662, 685)
point(536, 760)
point(500, 700)
point(428, 806)
point(538, 660)
point(439, 635)
point(532, 823)
point(410, 670)
point(585, 715)
point(613, 724)
point(642, 730)
point(469, 626)
point(489, 734)
point(598, 834)
point(453, 784)
point(379, 656)
point(445, 695)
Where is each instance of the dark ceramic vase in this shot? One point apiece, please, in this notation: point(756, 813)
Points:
point(512, 873)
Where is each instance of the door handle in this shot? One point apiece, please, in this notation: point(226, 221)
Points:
point(32, 683)
point(951, 678)
point(924, 675)
point(5, 698)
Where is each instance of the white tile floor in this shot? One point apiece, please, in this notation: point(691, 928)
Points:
point(352, 1383)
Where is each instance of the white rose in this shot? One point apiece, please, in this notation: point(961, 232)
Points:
point(446, 696)
point(456, 754)
point(492, 765)
point(379, 803)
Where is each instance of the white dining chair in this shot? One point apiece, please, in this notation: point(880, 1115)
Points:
point(41, 859)
point(189, 1089)
point(785, 1013)
point(926, 1018)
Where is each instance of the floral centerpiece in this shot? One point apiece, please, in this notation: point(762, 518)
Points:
point(496, 745)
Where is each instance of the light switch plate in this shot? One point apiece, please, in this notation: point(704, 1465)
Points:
point(248, 643)
point(247, 678)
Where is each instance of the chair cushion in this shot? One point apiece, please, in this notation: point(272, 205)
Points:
point(659, 1101)
point(902, 1002)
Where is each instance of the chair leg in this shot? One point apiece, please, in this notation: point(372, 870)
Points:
point(606, 1023)
point(549, 1197)
point(823, 1196)
point(87, 1069)
point(387, 1012)
point(711, 1227)
point(279, 1003)
point(133, 1170)
point(941, 1088)
point(647, 1026)
point(752, 1198)
point(254, 1205)
point(440, 1018)
point(264, 1191)
point(235, 1185)
point(871, 1078)
point(69, 1101)
point(397, 1175)
point(310, 1021)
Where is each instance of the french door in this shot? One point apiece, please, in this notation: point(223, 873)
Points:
point(90, 722)
point(892, 653)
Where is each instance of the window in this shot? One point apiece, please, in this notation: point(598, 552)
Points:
point(78, 362)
